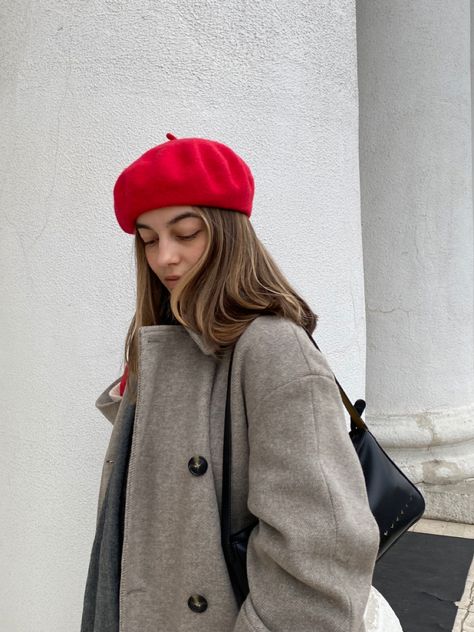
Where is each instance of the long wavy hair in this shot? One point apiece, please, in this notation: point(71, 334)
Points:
point(235, 281)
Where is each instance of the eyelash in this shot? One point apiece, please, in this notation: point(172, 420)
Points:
point(184, 238)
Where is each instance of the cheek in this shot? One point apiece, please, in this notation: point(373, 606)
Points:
point(199, 248)
point(150, 262)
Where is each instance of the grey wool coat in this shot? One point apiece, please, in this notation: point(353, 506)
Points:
point(311, 557)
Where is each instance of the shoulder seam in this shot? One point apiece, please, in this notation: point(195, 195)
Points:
point(301, 348)
point(295, 379)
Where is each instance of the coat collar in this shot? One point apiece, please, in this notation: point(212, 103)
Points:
point(198, 339)
point(147, 330)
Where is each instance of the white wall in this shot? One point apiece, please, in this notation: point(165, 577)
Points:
point(86, 87)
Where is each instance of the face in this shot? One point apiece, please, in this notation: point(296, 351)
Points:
point(175, 238)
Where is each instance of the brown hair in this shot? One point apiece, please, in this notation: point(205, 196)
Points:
point(234, 281)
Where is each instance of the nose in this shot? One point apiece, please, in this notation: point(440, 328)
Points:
point(167, 253)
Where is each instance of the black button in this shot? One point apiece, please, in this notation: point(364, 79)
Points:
point(197, 603)
point(197, 465)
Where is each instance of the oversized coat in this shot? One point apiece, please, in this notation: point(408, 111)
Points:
point(311, 557)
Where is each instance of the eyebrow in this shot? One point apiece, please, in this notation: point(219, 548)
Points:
point(176, 219)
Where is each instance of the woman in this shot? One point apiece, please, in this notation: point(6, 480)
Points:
point(206, 285)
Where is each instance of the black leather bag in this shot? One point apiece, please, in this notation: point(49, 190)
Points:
point(394, 500)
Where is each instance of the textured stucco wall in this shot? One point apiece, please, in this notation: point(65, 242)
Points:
point(85, 88)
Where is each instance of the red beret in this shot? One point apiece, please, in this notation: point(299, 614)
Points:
point(184, 171)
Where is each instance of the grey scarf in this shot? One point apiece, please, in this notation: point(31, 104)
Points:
point(101, 598)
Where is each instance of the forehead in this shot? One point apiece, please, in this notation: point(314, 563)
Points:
point(166, 216)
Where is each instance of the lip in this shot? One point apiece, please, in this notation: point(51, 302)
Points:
point(172, 278)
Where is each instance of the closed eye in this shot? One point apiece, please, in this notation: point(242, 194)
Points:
point(190, 236)
point(182, 237)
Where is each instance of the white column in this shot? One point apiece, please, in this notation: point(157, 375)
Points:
point(416, 191)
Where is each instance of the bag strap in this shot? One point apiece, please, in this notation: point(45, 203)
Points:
point(353, 412)
point(226, 503)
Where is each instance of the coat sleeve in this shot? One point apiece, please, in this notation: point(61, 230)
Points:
point(311, 557)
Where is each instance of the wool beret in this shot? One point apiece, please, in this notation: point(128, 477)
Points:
point(183, 171)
